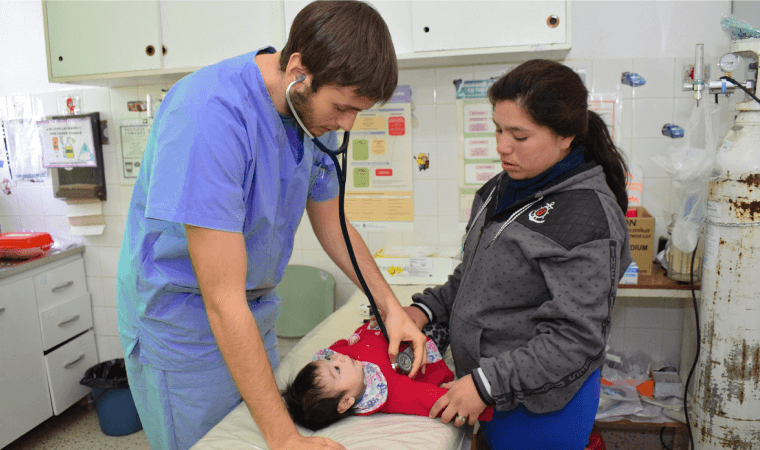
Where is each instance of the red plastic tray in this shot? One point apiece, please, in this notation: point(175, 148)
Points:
point(24, 244)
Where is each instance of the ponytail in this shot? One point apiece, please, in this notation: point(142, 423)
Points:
point(599, 147)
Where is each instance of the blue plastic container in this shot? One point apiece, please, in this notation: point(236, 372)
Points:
point(116, 411)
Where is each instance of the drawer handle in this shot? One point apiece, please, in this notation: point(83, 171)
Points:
point(63, 286)
point(68, 321)
point(81, 357)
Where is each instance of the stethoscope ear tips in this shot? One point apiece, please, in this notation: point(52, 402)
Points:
point(300, 78)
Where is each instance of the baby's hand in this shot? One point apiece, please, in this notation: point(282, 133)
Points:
point(353, 339)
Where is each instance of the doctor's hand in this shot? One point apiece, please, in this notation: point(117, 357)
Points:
point(298, 442)
point(400, 328)
point(461, 402)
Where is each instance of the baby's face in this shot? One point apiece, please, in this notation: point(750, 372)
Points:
point(341, 373)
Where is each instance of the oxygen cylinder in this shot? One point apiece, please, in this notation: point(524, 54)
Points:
point(725, 407)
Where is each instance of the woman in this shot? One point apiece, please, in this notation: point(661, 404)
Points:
point(529, 307)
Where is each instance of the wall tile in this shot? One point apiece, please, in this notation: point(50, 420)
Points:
point(44, 104)
point(109, 261)
point(425, 198)
point(448, 162)
point(95, 288)
point(33, 223)
point(646, 340)
point(112, 203)
point(446, 123)
point(423, 124)
point(109, 291)
point(644, 313)
point(113, 234)
point(656, 195)
point(421, 83)
point(343, 292)
point(448, 198)
point(486, 71)
point(642, 152)
point(58, 226)
point(445, 92)
point(671, 347)
point(659, 76)
point(448, 231)
point(117, 351)
point(607, 74)
point(649, 115)
point(10, 223)
point(9, 204)
point(425, 232)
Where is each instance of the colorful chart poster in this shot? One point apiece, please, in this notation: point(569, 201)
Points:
point(67, 142)
point(379, 176)
point(478, 160)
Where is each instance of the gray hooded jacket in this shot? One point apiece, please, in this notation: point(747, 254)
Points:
point(529, 308)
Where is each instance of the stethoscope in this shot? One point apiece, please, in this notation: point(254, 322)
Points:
point(404, 359)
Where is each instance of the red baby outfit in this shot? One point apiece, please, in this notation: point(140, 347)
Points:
point(405, 395)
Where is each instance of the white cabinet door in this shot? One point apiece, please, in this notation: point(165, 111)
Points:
point(100, 37)
point(24, 397)
point(455, 25)
point(201, 33)
point(429, 33)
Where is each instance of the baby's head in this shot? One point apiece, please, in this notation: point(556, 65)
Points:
point(325, 391)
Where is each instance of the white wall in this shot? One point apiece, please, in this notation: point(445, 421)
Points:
point(653, 39)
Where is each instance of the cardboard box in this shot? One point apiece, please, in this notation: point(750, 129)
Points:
point(641, 231)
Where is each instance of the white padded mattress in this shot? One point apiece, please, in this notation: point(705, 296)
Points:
point(378, 431)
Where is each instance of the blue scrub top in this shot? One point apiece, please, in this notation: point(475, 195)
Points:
point(218, 156)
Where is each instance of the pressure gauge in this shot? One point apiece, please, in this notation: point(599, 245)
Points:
point(728, 62)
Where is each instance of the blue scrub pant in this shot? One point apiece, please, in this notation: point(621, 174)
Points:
point(566, 429)
point(177, 408)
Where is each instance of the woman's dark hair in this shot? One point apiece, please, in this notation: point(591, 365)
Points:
point(345, 43)
point(307, 402)
point(554, 96)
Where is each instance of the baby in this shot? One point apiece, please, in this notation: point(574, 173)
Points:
point(355, 377)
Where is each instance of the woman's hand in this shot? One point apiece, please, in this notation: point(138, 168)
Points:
point(462, 401)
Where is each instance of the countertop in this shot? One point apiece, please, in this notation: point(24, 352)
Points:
point(10, 267)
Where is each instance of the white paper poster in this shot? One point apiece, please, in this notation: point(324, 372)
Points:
point(67, 142)
point(134, 137)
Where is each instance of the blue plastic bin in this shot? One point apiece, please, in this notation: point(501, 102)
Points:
point(116, 411)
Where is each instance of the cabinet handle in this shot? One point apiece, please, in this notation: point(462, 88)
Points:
point(81, 357)
point(63, 286)
point(68, 321)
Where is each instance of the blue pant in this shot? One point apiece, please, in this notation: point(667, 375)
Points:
point(566, 429)
point(177, 408)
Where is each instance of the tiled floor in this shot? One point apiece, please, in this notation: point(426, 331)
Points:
point(78, 428)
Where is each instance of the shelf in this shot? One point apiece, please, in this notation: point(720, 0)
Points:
point(627, 425)
point(657, 285)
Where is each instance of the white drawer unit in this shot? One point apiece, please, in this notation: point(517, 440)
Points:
point(66, 366)
point(65, 321)
point(24, 398)
point(46, 341)
point(60, 284)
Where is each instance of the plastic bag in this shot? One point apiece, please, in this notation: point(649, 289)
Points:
point(106, 375)
point(691, 166)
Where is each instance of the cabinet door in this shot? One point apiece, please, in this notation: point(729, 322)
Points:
point(480, 24)
point(99, 37)
point(201, 33)
point(24, 397)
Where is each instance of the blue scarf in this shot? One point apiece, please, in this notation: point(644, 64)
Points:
point(519, 189)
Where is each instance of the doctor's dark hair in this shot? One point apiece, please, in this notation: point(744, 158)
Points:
point(307, 402)
point(554, 96)
point(345, 43)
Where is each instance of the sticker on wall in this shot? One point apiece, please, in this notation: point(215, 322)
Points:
point(672, 131)
point(632, 79)
point(423, 161)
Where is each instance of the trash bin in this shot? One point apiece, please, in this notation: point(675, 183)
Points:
point(113, 399)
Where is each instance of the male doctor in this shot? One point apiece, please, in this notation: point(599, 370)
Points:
point(226, 176)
